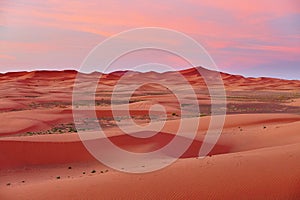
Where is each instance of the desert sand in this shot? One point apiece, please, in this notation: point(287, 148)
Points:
point(42, 157)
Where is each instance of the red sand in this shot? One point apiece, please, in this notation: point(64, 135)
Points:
point(256, 157)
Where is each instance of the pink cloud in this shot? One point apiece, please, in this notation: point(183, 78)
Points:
point(7, 57)
point(221, 26)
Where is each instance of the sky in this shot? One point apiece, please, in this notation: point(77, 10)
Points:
point(251, 38)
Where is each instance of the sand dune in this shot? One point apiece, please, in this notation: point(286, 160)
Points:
point(55, 149)
point(19, 122)
point(42, 157)
point(270, 173)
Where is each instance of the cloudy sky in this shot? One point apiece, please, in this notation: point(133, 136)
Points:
point(252, 38)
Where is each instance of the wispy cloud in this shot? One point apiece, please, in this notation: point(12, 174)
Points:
point(239, 35)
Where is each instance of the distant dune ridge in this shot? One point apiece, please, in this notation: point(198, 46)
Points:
point(41, 155)
point(191, 73)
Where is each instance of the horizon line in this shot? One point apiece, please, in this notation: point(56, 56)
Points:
point(137, 71)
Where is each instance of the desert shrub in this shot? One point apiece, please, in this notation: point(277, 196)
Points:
point(72, 129)
point(30, 133)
